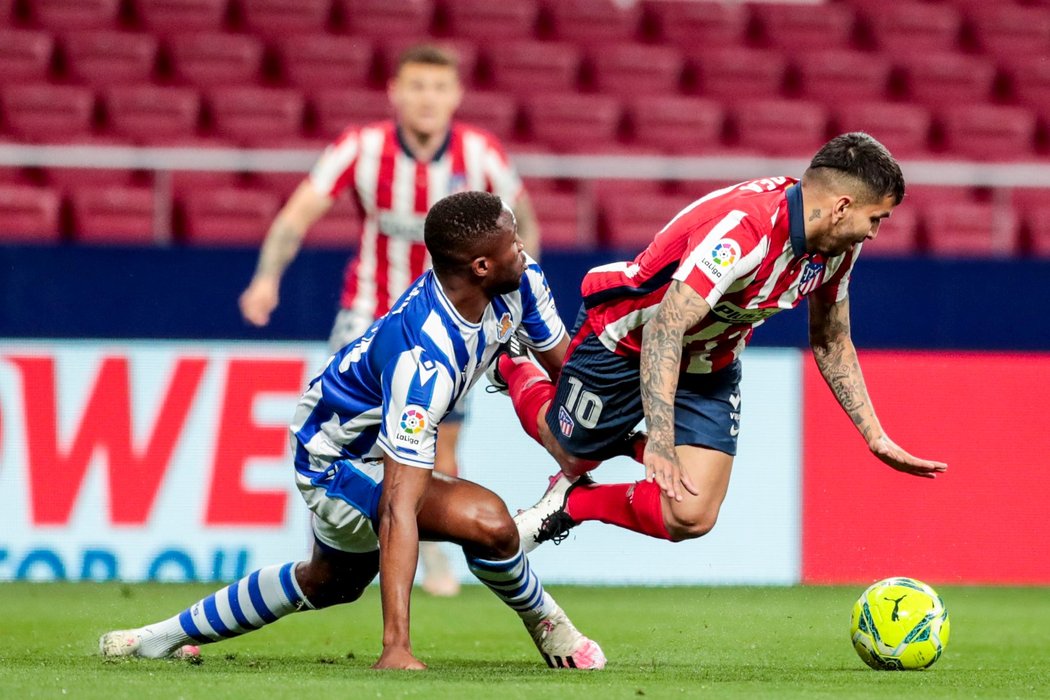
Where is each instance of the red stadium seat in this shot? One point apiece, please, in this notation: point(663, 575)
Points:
point(152, 114)
point(105, 58)
point(279, 19)
point(25, 56)
point(593, 21)
point(528, 68)
point(915, 27)
point(48, 113)
point(1038, 221)
point(76, 14)
point(6, 12)
point(465, 51)
point(68, 180)
point(257, 116)
point(692, 24)
point(28, 215)
point(387, 17)
point(794, 26)
point(629, 70)
point(338, 109)
point(339, 228)
point(902, 128)
point(1030, 80)
point(574, 122)
point(677, 124)
point(734, 74)
point(484, 19)
point(231, 217)
point(920, 197)
point(968, 230)
point(834, 75)
point(165, 17)
point(560, 218)
point(631, 223)
point(989, 132)
point(213, 59)
point(184, 182)
point(898, 235)
point(1011, 30)
point(113, 215)
point(781, 127)
point(938, 79)
point(492, 111)
point(327, 61)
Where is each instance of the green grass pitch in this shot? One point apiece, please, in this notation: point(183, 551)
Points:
point(661, 642)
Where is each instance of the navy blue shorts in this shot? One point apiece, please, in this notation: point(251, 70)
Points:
point(598, 403)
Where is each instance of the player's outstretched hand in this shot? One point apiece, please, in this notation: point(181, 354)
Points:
point(398, 659)
point(668, 474)
point(892, 454)
point(258, 301)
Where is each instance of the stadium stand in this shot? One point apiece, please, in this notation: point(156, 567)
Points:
point(913, 27)
point(75, 14)
point(691, 24)
point(630, 222)
point(336, 109)
point(904, 128)
point(258, 117)
point(677, 124)
point(841, 74)
point(574, 121)
point(326, 61)
point(387, 18)
point(41, 112)
point(152, 114)
point(228, 217)
point(738, 73)
point(898, 235)
point(935, 79)
point(216, 59)
point(482, 19)
point(780, 127)
point(792, 27)
point(971, 229)
point(531, 68)
point(279, 19)
point(629, 69)
point(989, 132)
point(560, 213)
point(493, 111)
point(593, 21)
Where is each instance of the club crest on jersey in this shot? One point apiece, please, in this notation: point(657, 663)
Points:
point(506, 327)
point(457, 183)
point(565, 422)
point(722, 256)
point(812, 275)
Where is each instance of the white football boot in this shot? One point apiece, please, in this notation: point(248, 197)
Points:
point(563, 646)
point(129, 643)
point(547, 520)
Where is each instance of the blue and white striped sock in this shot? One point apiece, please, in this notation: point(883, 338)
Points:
point(258, 599)
point(513, 582)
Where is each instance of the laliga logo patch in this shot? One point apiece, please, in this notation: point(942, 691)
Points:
point(725, 253)
point(506, 325)
point(413, 420)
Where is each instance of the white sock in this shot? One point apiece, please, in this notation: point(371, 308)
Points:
point(513, 582)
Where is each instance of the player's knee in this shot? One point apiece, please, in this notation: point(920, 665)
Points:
point(325, 585)
point(689, 526)
point(494, 532)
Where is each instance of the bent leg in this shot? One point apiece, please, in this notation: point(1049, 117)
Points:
point(695, 516)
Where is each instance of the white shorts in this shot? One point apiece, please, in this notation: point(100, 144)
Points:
point(345, 504)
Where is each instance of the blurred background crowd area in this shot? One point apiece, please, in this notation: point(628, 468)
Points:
point(937, 81)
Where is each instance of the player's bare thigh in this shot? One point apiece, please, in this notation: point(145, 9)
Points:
point(694, 516)
point(460, 511)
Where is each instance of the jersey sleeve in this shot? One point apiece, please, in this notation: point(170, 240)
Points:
point(334, 170)
point(836, 287)
point(719, 251)
point(417, 393)
point(541, 327)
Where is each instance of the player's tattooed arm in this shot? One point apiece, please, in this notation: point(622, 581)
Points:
point(836, 357)
point(660, 364)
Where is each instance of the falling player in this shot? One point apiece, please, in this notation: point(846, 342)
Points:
point(395, 170)
point(660, 338)
point(364, 439)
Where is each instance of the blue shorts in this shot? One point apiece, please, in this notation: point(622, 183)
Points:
point(598, 403)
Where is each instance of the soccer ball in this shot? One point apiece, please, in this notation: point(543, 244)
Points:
point(899, 624)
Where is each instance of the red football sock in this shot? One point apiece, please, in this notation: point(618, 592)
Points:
point(529, 388)
point(636, 507)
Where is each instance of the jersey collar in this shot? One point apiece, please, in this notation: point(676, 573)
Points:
point(442, 149)
point(796, 224)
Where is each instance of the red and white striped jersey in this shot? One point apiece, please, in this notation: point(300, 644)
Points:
point(395, 191)
point(742, 249)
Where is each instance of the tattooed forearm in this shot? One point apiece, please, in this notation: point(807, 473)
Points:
point(661, 362)
point(836, 357)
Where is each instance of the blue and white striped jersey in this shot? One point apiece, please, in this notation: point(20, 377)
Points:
point(388, 390)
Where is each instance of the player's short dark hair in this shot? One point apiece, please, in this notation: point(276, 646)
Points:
point(428, 54)
point(859, 157)
point(458, 228)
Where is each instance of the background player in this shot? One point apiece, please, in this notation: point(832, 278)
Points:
point(660, 337)
point(395, 170)
point(364, 441)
